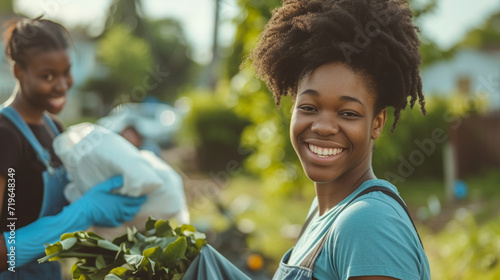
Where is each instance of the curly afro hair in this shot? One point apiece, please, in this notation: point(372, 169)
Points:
point(374, 37)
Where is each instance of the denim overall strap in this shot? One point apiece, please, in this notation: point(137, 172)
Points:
point(15, 118)
point(54, 180)
point(400, 201)
point(51, 123)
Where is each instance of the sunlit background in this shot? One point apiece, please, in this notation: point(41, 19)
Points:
point(244, 184)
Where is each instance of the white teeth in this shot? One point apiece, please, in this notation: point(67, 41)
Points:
point(325, 152)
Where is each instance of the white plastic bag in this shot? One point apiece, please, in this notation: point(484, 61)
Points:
point(92, 154)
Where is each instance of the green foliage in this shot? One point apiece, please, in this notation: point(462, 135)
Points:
point(144, 57)
point(411, 151)
point(129, 62)
point(163, 254)
point(252, 19)
point(171, 52)
point(465, 250)
point(215, 129)
point(421, 8)
point(166, 42)
point(274, 159)
point(415, 149)
point(126, 12)
point(431, 53)
point(126, 55)
point(485, 36)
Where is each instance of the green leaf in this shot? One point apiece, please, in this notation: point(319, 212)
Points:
point(178, 276)
point(131, 234)
point(75, 271)
point(88, 242)
point(118, 271)
point(147, 269)
point(81, 235)
point(112, 277)
point(120, 239)
point(52, 251)
point(139, 236)
point(200, 243)
point(175, 250)
point(68, 242)
point(163, 229)
point(94, 235)
point(134, 261)
point(150, 239)
point(105, 244)
point(154, 253)
point(150, 223)
point(67, 235)
point(188, 228)
point(165, 241)
point(100, 262)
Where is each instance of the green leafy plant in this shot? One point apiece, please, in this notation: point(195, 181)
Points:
point(163, 253)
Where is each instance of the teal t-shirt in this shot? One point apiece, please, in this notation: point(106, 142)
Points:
point(373, 236)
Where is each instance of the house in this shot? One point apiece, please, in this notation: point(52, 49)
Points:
point(469, 71)
point(474, 73)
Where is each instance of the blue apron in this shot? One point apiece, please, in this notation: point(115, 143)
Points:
point(54, 181)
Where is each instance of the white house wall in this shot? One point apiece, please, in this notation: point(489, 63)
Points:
point(482, 68)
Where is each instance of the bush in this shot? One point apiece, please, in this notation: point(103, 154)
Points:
point(411, 151)
point(215, 130)
point(464, 250)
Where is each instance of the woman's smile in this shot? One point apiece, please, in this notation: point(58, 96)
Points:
point(323, 154)
point(57, 103)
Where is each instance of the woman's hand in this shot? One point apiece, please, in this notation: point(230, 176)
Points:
point(109, 209)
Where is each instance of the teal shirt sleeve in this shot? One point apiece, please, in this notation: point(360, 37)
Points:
point(373, 236)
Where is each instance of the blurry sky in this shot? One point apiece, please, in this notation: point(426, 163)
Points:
point(448, 24)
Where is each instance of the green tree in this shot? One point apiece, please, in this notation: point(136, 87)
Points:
point(143, 57)
point(488, 35)
point(171, 53)
point(166, 40)
point(129, 63)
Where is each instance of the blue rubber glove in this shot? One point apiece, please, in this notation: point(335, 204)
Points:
point(104, 208)
point(97, 207)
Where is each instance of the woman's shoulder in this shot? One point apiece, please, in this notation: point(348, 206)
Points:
point(8, 131)
point(11, 144)
point(370, 211)
point(374, 211)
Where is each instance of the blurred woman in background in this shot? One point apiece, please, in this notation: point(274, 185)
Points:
point(32, 205)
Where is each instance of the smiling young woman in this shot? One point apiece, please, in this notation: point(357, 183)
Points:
point(343, 62)
point(33, 208)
